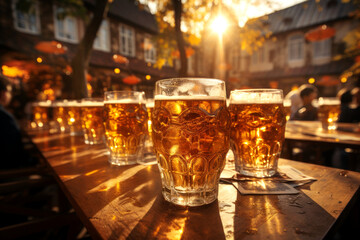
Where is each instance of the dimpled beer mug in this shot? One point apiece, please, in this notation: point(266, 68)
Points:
point(191, 138)
point(258, 123)
point(92, 120)
point(125, 121)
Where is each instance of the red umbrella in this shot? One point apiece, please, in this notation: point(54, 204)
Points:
point(52, 47)
point(120, 59)
point(26, 65)
point(131, 80)
point(320, 33)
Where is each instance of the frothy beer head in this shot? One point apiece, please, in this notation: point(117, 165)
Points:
point(42, 104)
point(124, 101)
point(92, 104)
point(256, 96)
point(182, 98)
point(182, 87)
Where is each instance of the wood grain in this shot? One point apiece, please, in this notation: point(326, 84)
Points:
point(126, 203)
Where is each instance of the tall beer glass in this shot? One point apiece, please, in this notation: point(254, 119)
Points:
point(73, 117)
point(328, 112)
point(125, 121)
point(40, 114)
point(92, 120)
point(60, 115)
point(191, 138)
point(258, 123)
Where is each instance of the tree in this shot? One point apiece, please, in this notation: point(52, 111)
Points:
point(352, 40)
point(182, 24)
point(80, 62)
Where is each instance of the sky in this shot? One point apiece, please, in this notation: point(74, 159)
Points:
point(248, 8)
point(255, 8)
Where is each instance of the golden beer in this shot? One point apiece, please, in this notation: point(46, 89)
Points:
point(40, 114)
point(92, 121)
point(125, 129)
point(60, 116)
point(73, 117)
point(328, 112)
point(257, 135)
point(191, 139)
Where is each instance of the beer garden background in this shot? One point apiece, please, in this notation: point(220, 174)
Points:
point(279, 56)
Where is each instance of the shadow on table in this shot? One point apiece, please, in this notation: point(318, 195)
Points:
point(168, 221)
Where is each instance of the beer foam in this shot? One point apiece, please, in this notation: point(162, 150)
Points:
point(92, 104)
point(42, 104)
point(256, 96)
point(73, 104)
point(124, 101)
point(196, 97)
point(150, 104)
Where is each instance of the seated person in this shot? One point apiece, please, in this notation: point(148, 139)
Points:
point(356, 114)
point(346, 112)
point(307, 112)
point(12, 152)
point(295, 99)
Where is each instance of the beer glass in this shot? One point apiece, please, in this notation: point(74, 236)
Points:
point(191, 138)
point(60, 115)
point(257, 133)
point(125, 121)
point(149, 155)
point(73, 117)
point(328, 112)
point(40, 114)
point(92, 120)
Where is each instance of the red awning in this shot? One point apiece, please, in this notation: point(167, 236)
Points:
point(52, 47)
point(320, 33)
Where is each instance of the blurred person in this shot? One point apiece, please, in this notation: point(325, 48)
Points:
point(346, 111)
point(12, 152)
point(356, 114)
point(295, 99)
point(307, 112)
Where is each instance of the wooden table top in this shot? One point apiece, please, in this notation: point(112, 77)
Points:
point(346, 134)
point(126, 202)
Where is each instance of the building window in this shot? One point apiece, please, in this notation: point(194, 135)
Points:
point(102, 41)
point(149, 51)
point(66, 27)
point(127, 41)
point(296, 48)
point(26, 20)
point(322, 49)
point(258, 56)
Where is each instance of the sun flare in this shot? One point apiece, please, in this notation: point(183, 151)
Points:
point(219, 24)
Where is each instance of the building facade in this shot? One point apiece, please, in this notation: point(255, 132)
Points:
point(288, 58)
point(126, 32)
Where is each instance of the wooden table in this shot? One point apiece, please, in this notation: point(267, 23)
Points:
point(346, 135)
point(126, 202)
point(310, 135)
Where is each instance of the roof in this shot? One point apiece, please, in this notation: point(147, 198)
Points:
point(131, 13)
point(307, 14)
